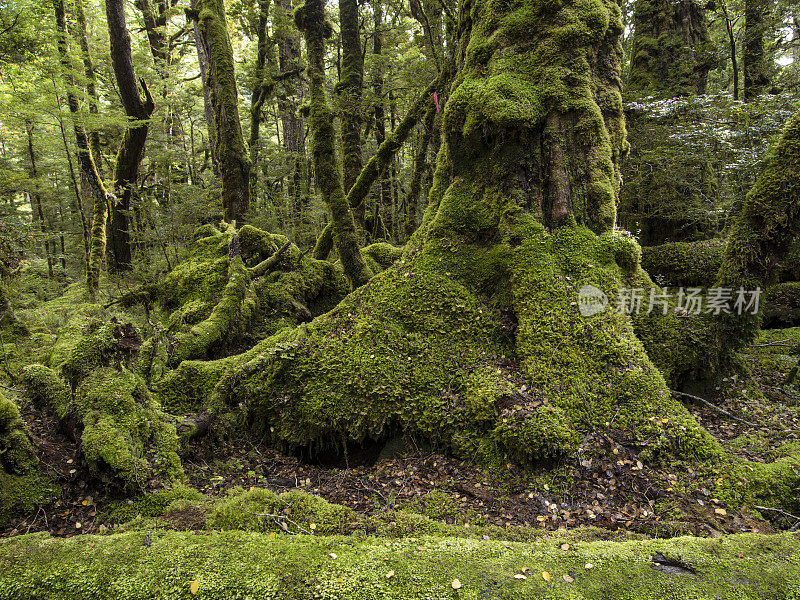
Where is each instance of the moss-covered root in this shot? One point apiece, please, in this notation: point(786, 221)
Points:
point(237, 565)
point(125, 437)
point(17, 454)
point(232, 313)
point(760, 239)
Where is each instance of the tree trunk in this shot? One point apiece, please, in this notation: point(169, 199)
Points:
point(420, 168)
point(521, 215)
point(262, 89)
point(349, 89)
point(672, 50)
point(202, 61)
point(289, 59)
point(126, 167)
point(311, 20)
point(232, 157)
point(385, 202)
point(754, 61)
point(97, 242)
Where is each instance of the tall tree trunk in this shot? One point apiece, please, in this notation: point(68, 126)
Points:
point(91, 82)
point(36, 199)
point(208, 108)
point(672, 50)
point(349, 89)
point(234, 162)
point(732, 50)
point(754, 61)
point(292, 123)
point(385, 202)
point(263, 85)
point(311, 20)
point(97, 245)
point(126, 168)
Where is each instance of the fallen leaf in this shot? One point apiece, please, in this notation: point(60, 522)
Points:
point(720, 511)
point(332, 555)
point(565, 546)
point(194, 587)
point(390, 574)
point(456, 584)
point(568, 579)
point(589, 566)
point(519, 576)
point(545, 575)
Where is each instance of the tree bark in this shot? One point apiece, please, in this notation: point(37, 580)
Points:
point(672, 50)
point(349, 89)
point(754, 61)
point(263, 85)
point(129, 156)
point(232, 156)
point(97, 245)
point(311, 20)
point(202, 61)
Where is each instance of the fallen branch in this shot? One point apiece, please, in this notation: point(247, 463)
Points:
point(281, 521)
point(266, 265)
point(714, 407)
point(782, 512)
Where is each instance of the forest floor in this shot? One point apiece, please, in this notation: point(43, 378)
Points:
point(617, 493)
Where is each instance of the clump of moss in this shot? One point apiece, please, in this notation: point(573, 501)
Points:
point(21, 494)
point(17, 454)
point(542, 435)
point(150, 505)
point(262, 510)
point(124, 431)
point(436, 505)
point(684, 263)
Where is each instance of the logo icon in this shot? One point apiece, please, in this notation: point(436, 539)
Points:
point(591, 300)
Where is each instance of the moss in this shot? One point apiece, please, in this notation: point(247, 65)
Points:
point(436, 505)
point(17, 454)
point(291, 511)
point(124, 432)
point(21, 494)
point(544, 434)
point(383, 254)
point(46, 389)
point(782, 305)
point(150, 505)
point(235, 564)
point(684, 263)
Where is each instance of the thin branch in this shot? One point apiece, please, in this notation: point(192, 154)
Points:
point(714, 407)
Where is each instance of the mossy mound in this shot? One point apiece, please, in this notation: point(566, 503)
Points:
point(782, 305)
point(125, 436)
point(17, 454)
point(294, 511)
point(235, 565)
point(21, 494)
point(684, 263)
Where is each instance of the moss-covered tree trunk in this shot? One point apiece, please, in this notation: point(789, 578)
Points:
point(129, 156)
point(349, 89)
point(97, 240)
point(288, 39)
point(232, 156)
point(262, 89)
point(311, 20)
point(760, 239)
point(672, 51)
point(474, 338)
point(754, 59)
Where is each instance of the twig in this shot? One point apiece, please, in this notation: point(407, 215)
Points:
point(783, 512)
point(280, 520)
point(714, 407)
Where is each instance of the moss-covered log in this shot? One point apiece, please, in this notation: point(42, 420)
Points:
point(17, 454)
point(125, 437)
point(236, 564)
